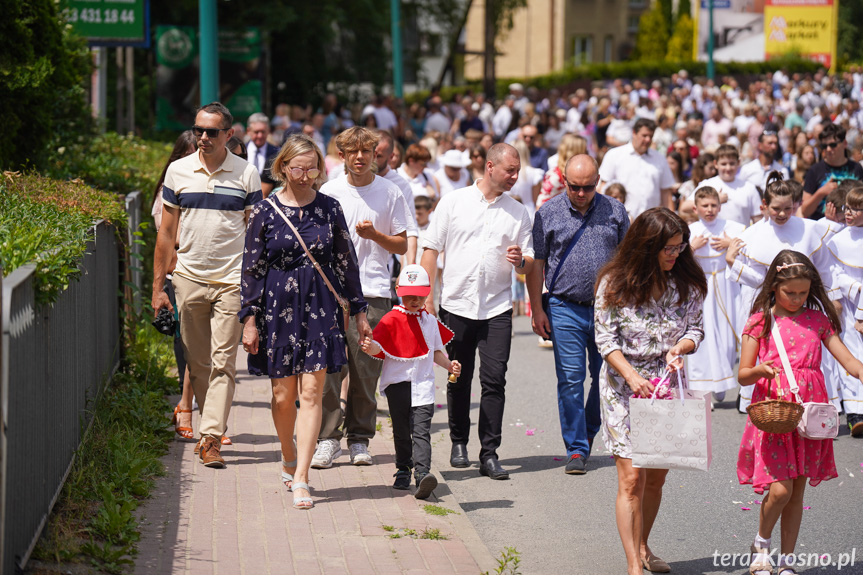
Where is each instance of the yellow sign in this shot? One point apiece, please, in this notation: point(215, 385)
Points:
point(807, 30)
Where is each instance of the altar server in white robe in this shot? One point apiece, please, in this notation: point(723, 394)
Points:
point(846, 251)
point(711, 367)
point(750, 254)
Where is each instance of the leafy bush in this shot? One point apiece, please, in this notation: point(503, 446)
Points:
point(42, 71)
point(627, 70)
point(111, 162)
point(48, 223)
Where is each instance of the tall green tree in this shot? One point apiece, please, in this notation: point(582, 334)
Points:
point(684, 7)
point(42, 72)
point(680, 44)
point(652, 41)
point(667, 13)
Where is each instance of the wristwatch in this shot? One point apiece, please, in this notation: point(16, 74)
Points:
point(521, 265)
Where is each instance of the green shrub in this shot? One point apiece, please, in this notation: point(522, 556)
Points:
point(43, 68)
point(48, 223)
point(111, 162)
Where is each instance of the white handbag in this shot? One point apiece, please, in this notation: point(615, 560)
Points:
point(819, 420)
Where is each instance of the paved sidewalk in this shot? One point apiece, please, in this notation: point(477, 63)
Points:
point(240, 520)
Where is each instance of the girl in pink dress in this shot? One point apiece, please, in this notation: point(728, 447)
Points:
point(794, 297)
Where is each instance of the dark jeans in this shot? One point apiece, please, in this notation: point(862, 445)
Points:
point(411, 429)
point(178, 343)
point(364, 371)
point(492, 338)
point(575, 350)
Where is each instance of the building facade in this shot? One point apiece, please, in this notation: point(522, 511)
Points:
point(549, 35)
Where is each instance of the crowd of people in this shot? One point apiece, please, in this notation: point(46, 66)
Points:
point(647, 229)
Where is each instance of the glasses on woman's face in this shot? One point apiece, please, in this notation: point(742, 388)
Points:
point(675, 250)
point(311, 173)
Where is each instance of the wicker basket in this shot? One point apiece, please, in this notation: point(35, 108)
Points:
point(775, 415)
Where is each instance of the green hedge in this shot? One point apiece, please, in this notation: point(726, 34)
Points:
point(626, 70)
point(111, 162)
point(48, 223)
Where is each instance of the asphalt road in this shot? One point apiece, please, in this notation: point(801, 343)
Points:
point(565, 524)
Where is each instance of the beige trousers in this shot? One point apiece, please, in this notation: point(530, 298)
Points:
point(210, 331)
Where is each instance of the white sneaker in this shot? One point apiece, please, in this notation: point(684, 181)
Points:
point(326, 451)
point(360, 454)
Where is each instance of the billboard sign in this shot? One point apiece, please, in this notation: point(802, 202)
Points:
point(755, 30)
point(110, 22)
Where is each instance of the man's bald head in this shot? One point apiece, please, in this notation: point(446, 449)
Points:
point(498, 152)
point(581, 167)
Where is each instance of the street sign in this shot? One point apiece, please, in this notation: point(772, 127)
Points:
point(110, 22)
point(717, 4)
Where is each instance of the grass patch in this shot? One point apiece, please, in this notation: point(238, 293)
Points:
point(428, 533)
point(378, 426)
point(115, 468)
point(438, 510)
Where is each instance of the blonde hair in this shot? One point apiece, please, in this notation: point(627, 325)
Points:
point(296, 145)
point(431, 145)
point(357, 138)
point(570, 145)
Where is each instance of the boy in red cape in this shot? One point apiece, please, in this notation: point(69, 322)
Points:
point(410, 341)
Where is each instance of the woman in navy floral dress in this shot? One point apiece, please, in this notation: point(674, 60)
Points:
point(293, 325)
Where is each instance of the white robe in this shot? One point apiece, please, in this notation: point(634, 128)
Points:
point(763, 242)
point(846, 251)
point(711, 367)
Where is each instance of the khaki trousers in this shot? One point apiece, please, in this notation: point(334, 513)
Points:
point(211, 333)
point(364, 371)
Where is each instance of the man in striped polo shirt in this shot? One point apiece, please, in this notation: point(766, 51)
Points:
point(208, 196)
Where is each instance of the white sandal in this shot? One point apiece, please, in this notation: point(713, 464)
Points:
point(760, 562)
point(288, 477)
point(303, 502)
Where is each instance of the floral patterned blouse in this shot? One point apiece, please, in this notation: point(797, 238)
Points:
point(644, 335)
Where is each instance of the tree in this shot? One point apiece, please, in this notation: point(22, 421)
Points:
point(42, 72)
point(684, 7)
point(680, 44)
point(652, 40)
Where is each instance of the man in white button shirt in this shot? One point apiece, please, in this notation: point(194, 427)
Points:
point(485, 233)
point(642, 171)
point(261, 153)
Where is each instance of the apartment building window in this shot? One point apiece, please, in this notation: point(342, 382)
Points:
point(638, 4)
point(608, 49)
point(582, 50)
point(632, 22)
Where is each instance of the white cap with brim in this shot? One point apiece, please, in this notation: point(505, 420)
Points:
point(452, 159)
point(413, 280)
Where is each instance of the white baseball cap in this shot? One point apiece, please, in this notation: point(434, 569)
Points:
point(413, 281)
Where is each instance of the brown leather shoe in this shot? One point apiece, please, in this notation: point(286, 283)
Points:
point(198, 446)
point(210, 456)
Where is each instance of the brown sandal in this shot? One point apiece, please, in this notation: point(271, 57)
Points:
point(655, 565)
point(184, 432)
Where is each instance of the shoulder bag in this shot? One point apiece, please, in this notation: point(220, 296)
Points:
point(819, 420)
point(575, 238)
point(343, 303)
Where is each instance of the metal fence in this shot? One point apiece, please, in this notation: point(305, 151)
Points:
point(56, 361)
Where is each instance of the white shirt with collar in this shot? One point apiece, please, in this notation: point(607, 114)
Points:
point(475, 234)
point(643, 175)
point(756, 174)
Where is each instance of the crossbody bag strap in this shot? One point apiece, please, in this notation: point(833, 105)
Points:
point(571, 245)
point(341, 300)
point(786, 365)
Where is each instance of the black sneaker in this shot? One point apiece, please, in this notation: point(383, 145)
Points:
point(575, 465)
point(403, 479)
point(855, 423)
point(425, 485)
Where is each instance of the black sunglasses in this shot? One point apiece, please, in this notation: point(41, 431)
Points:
point(586, 189)
point(211, 132)
point(831, 145)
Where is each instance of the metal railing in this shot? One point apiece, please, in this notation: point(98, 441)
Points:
point(55, 363)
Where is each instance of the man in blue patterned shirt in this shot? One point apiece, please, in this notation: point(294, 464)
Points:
point(569, 313)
